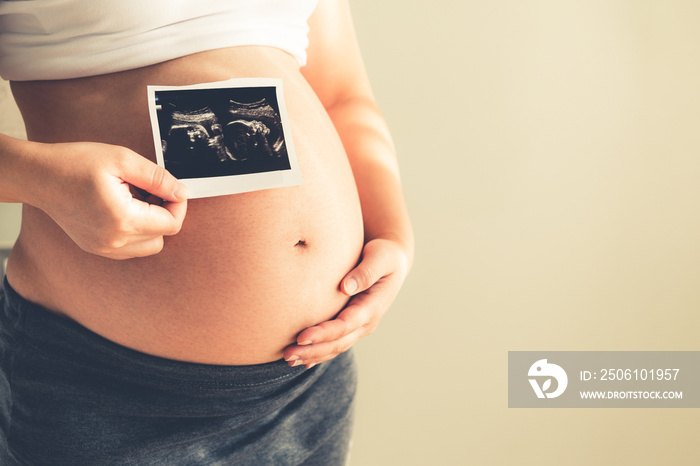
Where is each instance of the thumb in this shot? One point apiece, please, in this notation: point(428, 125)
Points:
point(373, 266)
point(153, 178)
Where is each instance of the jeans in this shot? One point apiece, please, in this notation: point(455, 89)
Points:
point(70, 397)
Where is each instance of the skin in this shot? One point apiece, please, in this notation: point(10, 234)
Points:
point(94, 219)
point(388, 252)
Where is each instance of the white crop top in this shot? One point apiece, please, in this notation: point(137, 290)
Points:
point(60, 39)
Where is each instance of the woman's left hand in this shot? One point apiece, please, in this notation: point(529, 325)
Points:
point(373, 285)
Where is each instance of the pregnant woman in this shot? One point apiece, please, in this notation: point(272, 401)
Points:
point(146, 329)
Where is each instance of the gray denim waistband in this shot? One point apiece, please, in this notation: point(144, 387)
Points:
point(66, 339)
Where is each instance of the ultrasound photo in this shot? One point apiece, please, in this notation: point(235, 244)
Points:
point(226, 137)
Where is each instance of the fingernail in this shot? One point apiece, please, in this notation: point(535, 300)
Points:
point(350, 285)
point(305, 342)
point(292, 358)
point(182, 191)
point(297, 363)
point(310, 366)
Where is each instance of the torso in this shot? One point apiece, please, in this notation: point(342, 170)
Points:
point(247, 272)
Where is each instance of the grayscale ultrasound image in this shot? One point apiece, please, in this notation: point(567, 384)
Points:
point(221, 132)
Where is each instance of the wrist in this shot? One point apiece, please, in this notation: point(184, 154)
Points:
point(402, 245)
point(23, 175)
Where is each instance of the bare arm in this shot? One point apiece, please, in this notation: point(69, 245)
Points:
point(337, 74)
point(86, 189)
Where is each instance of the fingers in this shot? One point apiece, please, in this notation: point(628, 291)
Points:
point(153, 219)
point(134, 216)
point(178, 211)
point(123, 245)
point(143, 248)
point(149, 218)
point(322, 352)
point(328, 339)
point(376, 263)
point(153, 178)
point(351, 319)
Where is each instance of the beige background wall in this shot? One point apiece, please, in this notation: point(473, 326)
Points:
point(551, 155)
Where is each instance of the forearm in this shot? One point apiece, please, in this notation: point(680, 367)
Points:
point(372, 156)
point(18, 170)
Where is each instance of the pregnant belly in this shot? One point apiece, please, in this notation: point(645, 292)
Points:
point(247, 272)
point(245, 275)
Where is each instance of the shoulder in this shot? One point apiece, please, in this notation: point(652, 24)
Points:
point(334, 65)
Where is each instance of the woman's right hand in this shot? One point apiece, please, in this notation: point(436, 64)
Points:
point(88, 190)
